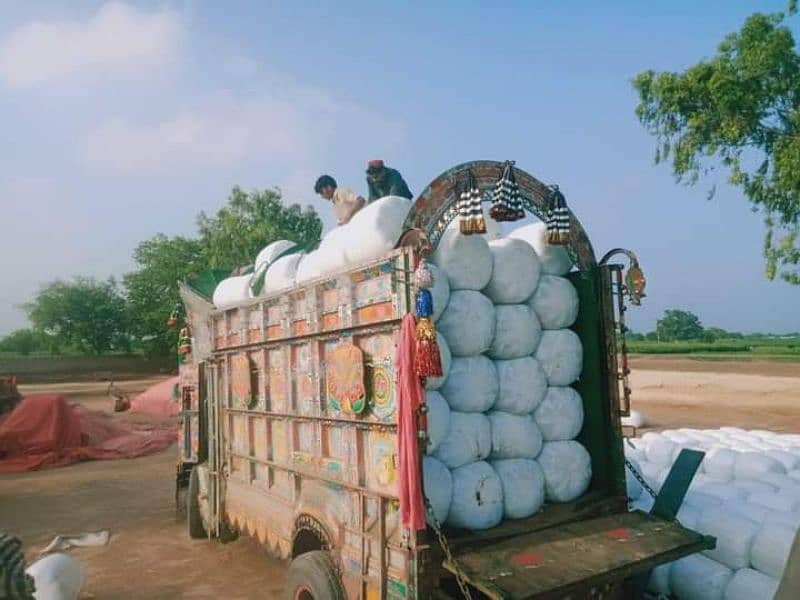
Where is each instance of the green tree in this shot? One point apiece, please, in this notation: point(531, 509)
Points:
point(678, 325)
point(85, 314)
point(739, 110)
point(712, 334)
point(23, 341)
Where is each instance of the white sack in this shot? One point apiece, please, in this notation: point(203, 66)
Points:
point(688, 516)
point(748, 510)
point(635, 419)
point(469, 439)
point(466, 259)
point(281, 274)
point(567, 469)
point(719, 463)
point(434, 383)
point(468, 323)
point(782, 482)
point(723, 491)
point(697, 577)
point(747, 584)
point(440, 292)
point(523, 385)
point(477, 497)
point(232, 291)
point(734, 535)
point(516, 333)
point(523, 486)
point(438, 419)
point(555, 259)
point(775, 501)
point(702, 501)
point(560, 415)
point(643, 503)
point(650, 470)
point(785, 519)
point(472, 384)
point(634, 488)
point(323, 261)
point(750, 486)
point(514, 436)
point(375, 229)
point(271, 251)
point(794, 474)
point(659, 580)
point(561, 355)
point(771, 548)
point(57, 577)
point(751, 465)
point(787, 459)
point(515, 271)
point(438, 485)
point(555, 302)
point(660, 451)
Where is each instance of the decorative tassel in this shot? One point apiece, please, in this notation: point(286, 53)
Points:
point(475, 210)
point(506, 201)
point(424, 304)
point(462, 205)
point(184, 341)
point(558, 226)
point(173, 317)
point(428, 362)
point(423, 277)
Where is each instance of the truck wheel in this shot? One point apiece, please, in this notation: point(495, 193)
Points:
point(313, 576)
point(197, 529)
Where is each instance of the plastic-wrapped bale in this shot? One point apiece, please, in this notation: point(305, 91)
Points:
point(555, 260)
point(523, 486)
point(723, 491)
point(567, 469)
point(785, 519)
point(634, 488)
point(660, 450)
point(782, 482)
point(697, 577)
point(438, 484)
point(787, 459)
point(514, 436)
point(702, 501)
point(472, 384)
point(438, 419)
point(468, 323)
point(469, 439)
point(440, 291)
point(477, 497)
point(774, 500)
point(771, 548)
point(232, 291)
point(281, 274)
point(658, 583)
point(517, 332)
point(561, 355)
point(688, 516)
point(750, 486)
point(466, 259)
point(434, 383)
point(734, 535)
point(560, 415)
point(376, 228)
point(748, 510)
point(515, 271)
point(523, 385)
point(323, 261)
point(270, 252)
point(555, 302)
point(751, 465)
point(747, 584)
point(719, 463)
point(643, 503)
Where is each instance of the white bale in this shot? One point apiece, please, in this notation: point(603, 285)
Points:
point(660, 451)
point(688, 516)
point(271, 251)
point(794, 474)
point(633, 452)
point(632, 485)
point(782, 482)
point(555, 259)
point(659, 580)
point(702, 501)
point(472, 384)
point(787, 459)
point(567, 469)
point(634, 419)
point(643, 503)
point(515, 271)
point(523, 486)
point(440, 292)
point(281, 274)
point(774, 500)
point(434, 383)
point(468, 323)
point(560, 415)
point(785, 519)
point(699, 480)
point(747, 584)
point(561, 355)
point(719, 463)
point(438, 419)
point(514, 436)
point(522, 385)
point(321, 262)
point(477, 497)
point(232, 291)
point(771, 549)
point(650, 471)
point(57, 577)
point(748, 510)
point(469, 439)
point(723, 491)
point(697, 577)
point(734, 534)
point(750, 486)
point(376, 228)
point(466, 259)
point(649, 437)
point(677, 436)
point(516, 333)
point(438, 485)
point(555, 302)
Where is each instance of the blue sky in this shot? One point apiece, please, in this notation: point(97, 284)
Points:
point(122, 120)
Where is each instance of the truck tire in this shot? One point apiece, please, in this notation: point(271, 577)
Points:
point(197, 529)
point(313, 576)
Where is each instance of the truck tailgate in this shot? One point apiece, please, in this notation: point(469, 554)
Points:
point(568, 558)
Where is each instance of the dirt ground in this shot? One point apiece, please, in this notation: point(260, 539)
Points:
point(151, 557)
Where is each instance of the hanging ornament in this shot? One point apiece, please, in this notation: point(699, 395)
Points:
point(506, 200)
point(428, 362)
point(462, 207)
point(174, 316)
point(558, 226)
point(184, 341)
point(478, 225)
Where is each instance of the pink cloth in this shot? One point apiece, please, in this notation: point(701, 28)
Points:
point(158, 400)
point(410, 398)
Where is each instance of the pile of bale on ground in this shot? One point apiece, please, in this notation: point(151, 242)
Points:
point(746, 493)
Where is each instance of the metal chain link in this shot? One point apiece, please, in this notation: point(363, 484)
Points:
point(640, 478)
point(460, 577)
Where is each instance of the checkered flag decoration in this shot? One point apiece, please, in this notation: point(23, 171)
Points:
point(558, 228)
point(506, 201)
point(470, 213)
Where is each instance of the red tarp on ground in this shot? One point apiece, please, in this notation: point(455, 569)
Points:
point(158, 400)
point(44, 431)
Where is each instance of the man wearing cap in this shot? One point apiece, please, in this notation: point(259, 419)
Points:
point(346, 202)
point(383, 181)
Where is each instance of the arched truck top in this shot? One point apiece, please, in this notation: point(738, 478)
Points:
point(435, 208)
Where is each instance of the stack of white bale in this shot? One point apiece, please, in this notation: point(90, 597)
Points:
point(746, 494)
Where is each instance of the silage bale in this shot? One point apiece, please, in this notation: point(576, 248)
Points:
point(516, 333)
point(771, 548)
point(567, 469)
point(555, 260)
point(375, 229)
point(650, 471)
point(723, 491)
point(434, 383)
point(514, 436)
point(468, 439)
point(633, 452)
point(522, 385)
point(785, 519)
point(555, 302)
point(477, 497)
point(734, 534)
point(782, 482)
point(321, 262)
point(719, 463)
point(748, 584)
point(438, 487)
point(515, 271)
point(748, 510)
point(659, 580)
point(560, 414)
point(750, 486)
point(643, 503)
point(271, 251)
point(794, 474)
point(632, 485)
point(281, 274)
point(561, 355)
point(697, 577)
point(232, 291)
point(688, 516)
point(787, 459)
point(472, 385)
point(523, 486)
point(660, 450)
point(468, 323)
point(440, 291)
point(774, 500)
point(702, 501)
point(438, 419)
point(466, 259)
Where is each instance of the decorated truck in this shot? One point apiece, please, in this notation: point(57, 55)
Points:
point(305, 428)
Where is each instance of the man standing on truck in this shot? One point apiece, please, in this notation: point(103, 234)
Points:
point(346, 202)
point(383, 181)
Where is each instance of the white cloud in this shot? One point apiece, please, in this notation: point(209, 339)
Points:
point(118, 38)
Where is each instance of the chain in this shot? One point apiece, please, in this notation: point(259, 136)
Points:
point(640, 478)
point(460, 578)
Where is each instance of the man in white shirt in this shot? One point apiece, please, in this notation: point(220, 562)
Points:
point(346, 202)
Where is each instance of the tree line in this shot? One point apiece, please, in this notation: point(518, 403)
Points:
point(682, 326)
